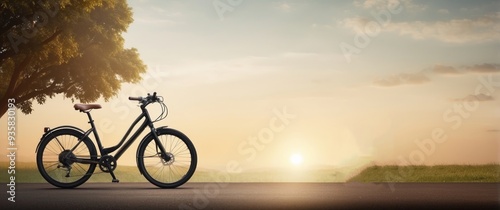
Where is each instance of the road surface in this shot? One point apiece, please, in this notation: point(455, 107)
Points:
point(257, 196)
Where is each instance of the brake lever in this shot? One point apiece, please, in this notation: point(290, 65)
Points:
point(154, 96)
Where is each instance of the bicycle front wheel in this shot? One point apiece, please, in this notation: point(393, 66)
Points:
point(58, 158)
point(172, 169)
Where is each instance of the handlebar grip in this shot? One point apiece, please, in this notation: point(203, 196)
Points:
point(135, 98)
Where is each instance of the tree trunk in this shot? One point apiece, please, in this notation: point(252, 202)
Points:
point(4, 105)
point(11, 89)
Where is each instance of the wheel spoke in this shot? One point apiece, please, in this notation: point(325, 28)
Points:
point(57, 162)
point(62, 147)
point(169, 172)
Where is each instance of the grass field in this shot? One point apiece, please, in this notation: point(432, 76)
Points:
point(28, 173)
point(439, 173)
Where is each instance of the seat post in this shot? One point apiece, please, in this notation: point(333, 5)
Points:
point(91, 121)
point(94, 130)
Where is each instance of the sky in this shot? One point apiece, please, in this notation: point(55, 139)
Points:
point(302, 84)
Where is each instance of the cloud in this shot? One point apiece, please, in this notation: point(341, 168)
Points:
point(285, 6)
point(356, 24)
point(384, 4)
point(155, 21)
point(438, 69)
point(443, 11)
point(402, 79)
point(484, 68)
point(482, 29)
point(324, 26)
point(478, 97)
point(448, 70)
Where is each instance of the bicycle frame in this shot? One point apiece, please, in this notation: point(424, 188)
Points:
point(121, 147)
point(165, 157)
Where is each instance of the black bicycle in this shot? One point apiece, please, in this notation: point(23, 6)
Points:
point(67, 157)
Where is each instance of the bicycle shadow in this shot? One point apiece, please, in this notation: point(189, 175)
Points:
point(117, 187)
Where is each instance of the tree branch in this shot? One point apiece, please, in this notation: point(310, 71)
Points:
point(40, 75)
point(47, 91)
point(9, 53)
point(13, 21)
point(52, 37)
point(6, 54)
point(35, 93)
point(15, 75)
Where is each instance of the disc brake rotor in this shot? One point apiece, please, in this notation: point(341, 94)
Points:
point(168, 159)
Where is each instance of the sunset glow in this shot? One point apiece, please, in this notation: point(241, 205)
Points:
point(296, 159)
point(316, 84)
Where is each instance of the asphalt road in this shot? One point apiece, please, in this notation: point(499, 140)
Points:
point(257, 196)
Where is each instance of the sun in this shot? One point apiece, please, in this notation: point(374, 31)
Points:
point(296, 159)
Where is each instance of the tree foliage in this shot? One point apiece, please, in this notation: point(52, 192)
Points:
point(68, 47)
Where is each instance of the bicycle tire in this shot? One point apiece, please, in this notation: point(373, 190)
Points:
point(62, 172)
point(179, 168)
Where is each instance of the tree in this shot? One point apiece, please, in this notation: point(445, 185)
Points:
point(68, 47)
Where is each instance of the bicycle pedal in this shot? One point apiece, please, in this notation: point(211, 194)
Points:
point(115, 180)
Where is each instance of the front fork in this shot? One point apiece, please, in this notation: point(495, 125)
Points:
point(159, 146)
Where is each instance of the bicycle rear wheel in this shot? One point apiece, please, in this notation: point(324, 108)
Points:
point(57, 162)
point(173, 169)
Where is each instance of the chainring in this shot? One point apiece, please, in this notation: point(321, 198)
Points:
point(105, 161)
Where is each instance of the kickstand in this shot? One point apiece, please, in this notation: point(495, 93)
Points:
point(115, 180)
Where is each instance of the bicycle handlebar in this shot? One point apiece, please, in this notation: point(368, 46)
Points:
point(132, 98)
point(149, 98)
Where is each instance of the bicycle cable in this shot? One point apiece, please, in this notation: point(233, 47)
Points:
point(164, 110)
